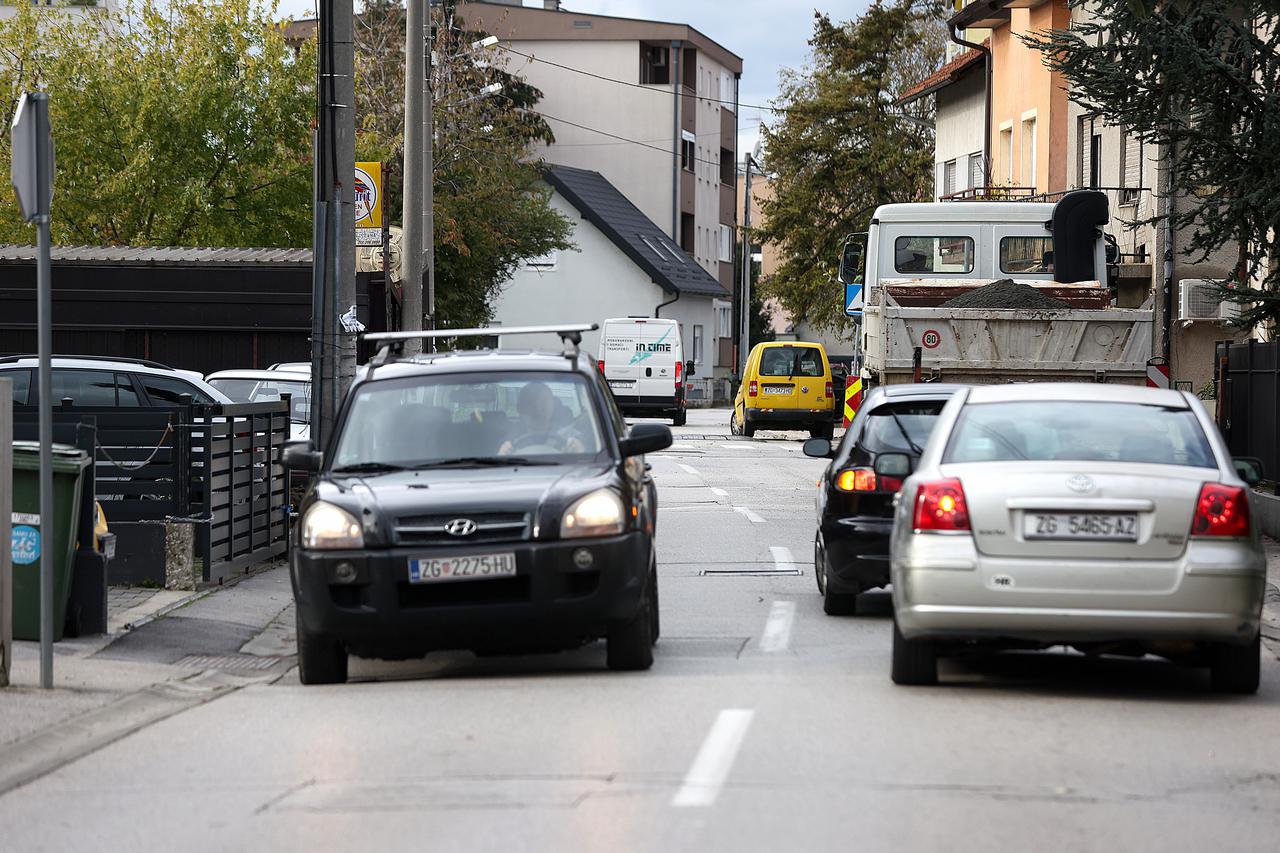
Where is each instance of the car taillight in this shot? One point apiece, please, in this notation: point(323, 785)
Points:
point(941, 507)
point(602, 365)
point(829, 393)
point(856, 480)
point(753, 388)
point(678, 366)
point(890, 484)
point(1221, 511)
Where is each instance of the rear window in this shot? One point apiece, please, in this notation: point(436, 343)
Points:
point(933, 254)
point(1026, 255)
point(1079, 431)
point(791, 361)
point(21, 380)
point(894, 428)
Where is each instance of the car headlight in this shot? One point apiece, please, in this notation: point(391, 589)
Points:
point(328, 526)
point(598, 514)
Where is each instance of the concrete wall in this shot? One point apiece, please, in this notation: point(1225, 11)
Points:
point(961, 121)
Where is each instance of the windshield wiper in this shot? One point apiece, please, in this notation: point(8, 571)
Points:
point(915, 448)
point(367, 468)
point(484, 461)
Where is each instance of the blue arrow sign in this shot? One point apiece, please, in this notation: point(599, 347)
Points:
point(853, 300)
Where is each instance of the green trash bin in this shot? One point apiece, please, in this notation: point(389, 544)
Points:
point(31, 546)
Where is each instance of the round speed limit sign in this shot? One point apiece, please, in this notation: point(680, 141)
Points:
point(930, 339)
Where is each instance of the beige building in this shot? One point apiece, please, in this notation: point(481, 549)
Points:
point(651, 106)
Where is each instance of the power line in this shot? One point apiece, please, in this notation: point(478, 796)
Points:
point(666, 151)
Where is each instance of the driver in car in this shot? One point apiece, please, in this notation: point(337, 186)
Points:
point(537, 408)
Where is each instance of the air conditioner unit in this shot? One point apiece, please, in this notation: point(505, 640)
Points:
point(1199, 299)
point(658, 57)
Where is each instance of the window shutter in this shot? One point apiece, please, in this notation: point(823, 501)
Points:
point(975, 171)
point(949, 178)
point(1132, 177)
point(1085, 142)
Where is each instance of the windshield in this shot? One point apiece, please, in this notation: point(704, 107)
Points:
point(885, 434)
point(472, 418)
point(791, 361)
point(1079, 431)
point(264, 391)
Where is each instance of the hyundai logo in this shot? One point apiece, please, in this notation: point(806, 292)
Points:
point(1080, 483)
point(460, 527)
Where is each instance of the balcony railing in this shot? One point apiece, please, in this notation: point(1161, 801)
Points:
point(995, 193)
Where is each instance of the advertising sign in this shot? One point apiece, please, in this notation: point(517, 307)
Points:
point(368, 204)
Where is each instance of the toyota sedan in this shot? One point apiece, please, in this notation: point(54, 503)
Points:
point(1110, 519)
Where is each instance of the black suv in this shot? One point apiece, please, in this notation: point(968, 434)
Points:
point(855, 495)
point(488, 500)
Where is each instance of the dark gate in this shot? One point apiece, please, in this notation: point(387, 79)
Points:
point(1248, 383)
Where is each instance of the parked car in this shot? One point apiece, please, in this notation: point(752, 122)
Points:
point(1099, 516)
point(856, 492)
point(484, 500)
point(787, 385)
point(98, 382)
point(642, 358)
point(258, 386)
point(292, 367)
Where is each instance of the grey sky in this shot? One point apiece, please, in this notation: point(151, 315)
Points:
point(767, 34)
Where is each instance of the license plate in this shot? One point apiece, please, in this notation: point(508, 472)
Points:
point(1110, 527)
point(621, 385)
point(777, 389)
point(468, 567)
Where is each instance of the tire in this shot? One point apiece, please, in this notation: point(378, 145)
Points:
point(915, 662)
point(654, 610)
point(1235, 669)
point(833, 603)
point(679, 418)
point(827, 431)
point(629, 646)
point(321, 660)
point(819, 567)
point(748, 428)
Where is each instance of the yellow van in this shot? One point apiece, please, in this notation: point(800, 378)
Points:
point(787, 386)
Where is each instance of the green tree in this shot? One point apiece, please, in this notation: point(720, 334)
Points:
point(176, 123)
point(844, 146)
point(1201, 80)
point(492, 209)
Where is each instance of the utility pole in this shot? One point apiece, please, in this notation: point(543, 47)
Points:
point(428, 182)
point(334, 290)
point(416, 124)
point(744, 312)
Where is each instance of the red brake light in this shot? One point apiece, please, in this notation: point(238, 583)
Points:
point(1221, 511)
point(602, 365)
point(856, 480)
point(829, 394)
point(940, 506)
point(753, 388)
point(678, 366)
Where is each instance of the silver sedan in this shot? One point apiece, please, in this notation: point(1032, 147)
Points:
point(1108, 518)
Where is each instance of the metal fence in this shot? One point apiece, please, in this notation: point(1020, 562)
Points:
point(1248, 386)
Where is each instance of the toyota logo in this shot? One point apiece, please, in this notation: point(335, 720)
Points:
point(460, 527)
point(1080, 483)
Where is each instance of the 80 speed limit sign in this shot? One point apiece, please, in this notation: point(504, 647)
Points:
point(930, 339)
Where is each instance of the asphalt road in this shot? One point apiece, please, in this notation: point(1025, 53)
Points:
point(764, 725)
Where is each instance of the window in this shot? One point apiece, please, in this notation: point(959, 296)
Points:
point(1026, 254)
point(976, 176)
point(1090, 148)
point(654, 65)
point(726, 91)
point(1029, 152)
point(724, 319)
point(543, 263)
point(726, 244)
point(791, 361)
point(697, 345)
point(728, 169)
point(93, 388)
point(688, 154)
point(949, 177)
point(1006, 154)
point(1079, 431)
point(1130, 169)
point(165, 391)
point(688, 233)
point(933, 254)
point(21, 380)
point(895, 427)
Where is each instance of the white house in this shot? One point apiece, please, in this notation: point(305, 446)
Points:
point(623, 265)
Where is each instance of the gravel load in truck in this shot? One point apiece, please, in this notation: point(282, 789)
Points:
point(1006, 293)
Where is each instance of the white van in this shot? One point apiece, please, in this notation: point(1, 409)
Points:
point(642, 358)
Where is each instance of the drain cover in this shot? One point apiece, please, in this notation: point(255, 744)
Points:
point(750, 573)
point(251, 662)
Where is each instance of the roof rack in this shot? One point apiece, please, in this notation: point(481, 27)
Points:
point(393, 342)
point(143, 362)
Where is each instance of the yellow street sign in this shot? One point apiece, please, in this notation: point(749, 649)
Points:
point(368, 201)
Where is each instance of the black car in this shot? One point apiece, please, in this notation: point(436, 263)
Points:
point(855, 496)
point(488, 500)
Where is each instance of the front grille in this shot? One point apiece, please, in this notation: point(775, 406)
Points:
point(491, 527)
point(513, 590)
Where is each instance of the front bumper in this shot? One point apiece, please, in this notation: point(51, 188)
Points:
point(857, 551)
point(549, 604)
point(943, 588)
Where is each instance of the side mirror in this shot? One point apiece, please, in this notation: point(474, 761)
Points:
point(302, 456)
point(646, 438)
point(850, 262)
point(688, 368)
point(893, 465)
point(1249, 469)
point(818, 448)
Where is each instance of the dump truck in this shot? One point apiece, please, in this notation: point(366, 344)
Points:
point(993, 291)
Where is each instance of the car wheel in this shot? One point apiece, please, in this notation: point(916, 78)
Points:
point(748, 428)
point(827, 431)
point(819, 567)
point(680, 418)
point(1235, 669)
point(321, 660)
point(839, 603)
point(733, 423)
point(629, 645)
point(914, 661)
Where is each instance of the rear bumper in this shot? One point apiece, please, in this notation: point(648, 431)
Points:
point(789, 418)
point(943, 588)
point(649, 405)
point(857, 551)
point(549, 604)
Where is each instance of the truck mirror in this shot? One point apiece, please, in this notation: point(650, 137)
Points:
point(851, 262)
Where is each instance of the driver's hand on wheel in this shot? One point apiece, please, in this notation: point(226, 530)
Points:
point(506, 448)
point(572, 445)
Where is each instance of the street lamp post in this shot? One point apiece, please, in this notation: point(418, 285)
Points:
point(744, 310)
